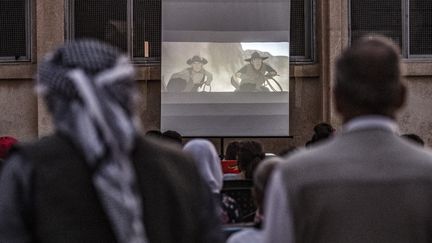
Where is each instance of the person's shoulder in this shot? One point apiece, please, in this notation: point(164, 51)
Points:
point(421, 156)
point(50, 144)
point(246, 235)
point(160, 147)
point(163, 154)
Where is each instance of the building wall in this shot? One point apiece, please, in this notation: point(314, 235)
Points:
point(24, 115)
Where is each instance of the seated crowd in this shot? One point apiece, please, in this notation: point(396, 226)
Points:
point(97, 179)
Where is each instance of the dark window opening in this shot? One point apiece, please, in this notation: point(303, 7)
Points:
point(147, 29)
point(383, 17)
point(13, 37)
point(420, 27)
point(103, 20)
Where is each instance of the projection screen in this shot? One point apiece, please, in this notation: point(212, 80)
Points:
point(225, 67)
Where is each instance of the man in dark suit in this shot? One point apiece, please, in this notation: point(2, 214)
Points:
point(366, 184)
point(96, 179)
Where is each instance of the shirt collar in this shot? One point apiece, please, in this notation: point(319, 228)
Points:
point(371, 121)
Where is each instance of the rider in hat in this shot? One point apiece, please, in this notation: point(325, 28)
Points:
point(253, 75)
point(191, 78)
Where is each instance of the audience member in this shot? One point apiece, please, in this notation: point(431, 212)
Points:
point(232, 151)
point(173, 136)
point(96, 179)
point(414, 138)
point(322, 131)
point(209, 165)
point(366, 184)
point(260, 179)
point(249, 155)
point(154, 133)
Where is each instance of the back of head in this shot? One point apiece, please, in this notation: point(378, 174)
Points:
point(232, 151)
point(249, 155)
point(368, 79)
point(173, 136)
point(321, 131)
point(90, 90)
point(207, 160)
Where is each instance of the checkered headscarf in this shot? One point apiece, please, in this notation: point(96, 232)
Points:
point(89, 88)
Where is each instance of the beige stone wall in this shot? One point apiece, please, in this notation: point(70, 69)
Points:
point(19, 109)
point(24, 116)
point(416, 116)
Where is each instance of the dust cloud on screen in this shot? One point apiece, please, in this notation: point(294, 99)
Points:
point(225, 67)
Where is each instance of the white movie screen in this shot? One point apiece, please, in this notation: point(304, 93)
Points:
point(225, 79)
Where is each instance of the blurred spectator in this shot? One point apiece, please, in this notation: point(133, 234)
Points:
point(95, 179)
point(173, 136)
point(322, 131)
point(260, 179)
point(367, 184)
point(209, 165)
point(249, 155)
point(232, 151)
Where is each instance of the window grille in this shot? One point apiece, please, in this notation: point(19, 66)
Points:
point(14, 36)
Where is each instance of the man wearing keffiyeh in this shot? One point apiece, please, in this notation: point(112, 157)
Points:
point(96, 179)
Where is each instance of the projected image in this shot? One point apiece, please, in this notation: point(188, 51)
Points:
point(192, 79)
point(225, 67)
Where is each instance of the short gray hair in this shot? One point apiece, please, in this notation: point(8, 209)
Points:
point(368, 74)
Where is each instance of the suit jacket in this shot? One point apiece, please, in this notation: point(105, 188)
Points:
point(367, 185)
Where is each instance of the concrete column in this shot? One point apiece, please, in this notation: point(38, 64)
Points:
point(50, 16)
point(333, 33)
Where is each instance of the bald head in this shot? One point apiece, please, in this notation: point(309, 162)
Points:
point(368, 79)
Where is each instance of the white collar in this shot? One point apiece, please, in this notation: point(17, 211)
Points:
point(371, 121)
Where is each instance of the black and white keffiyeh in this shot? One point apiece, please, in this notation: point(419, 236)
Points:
point(90, 90)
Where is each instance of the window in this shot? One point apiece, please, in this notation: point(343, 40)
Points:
point(138, 32)
point(301, 31)
point(110, 21)
point(420, 27)
point(14, 30)
point(407, 22)
point(147, 29)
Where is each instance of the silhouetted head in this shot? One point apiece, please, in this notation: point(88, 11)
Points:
point(208, 162)
point(232, 151)
point(368, 79)
point(249, 155)
point(173, 136)
point(322, 131)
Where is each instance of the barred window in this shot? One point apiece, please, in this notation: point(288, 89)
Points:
point(147, 29)
point(407, 22)
point(138, 32)
point(301, 30)
point(110, 21)
point(103, 20)
point(420, 27)
point(14, 30)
